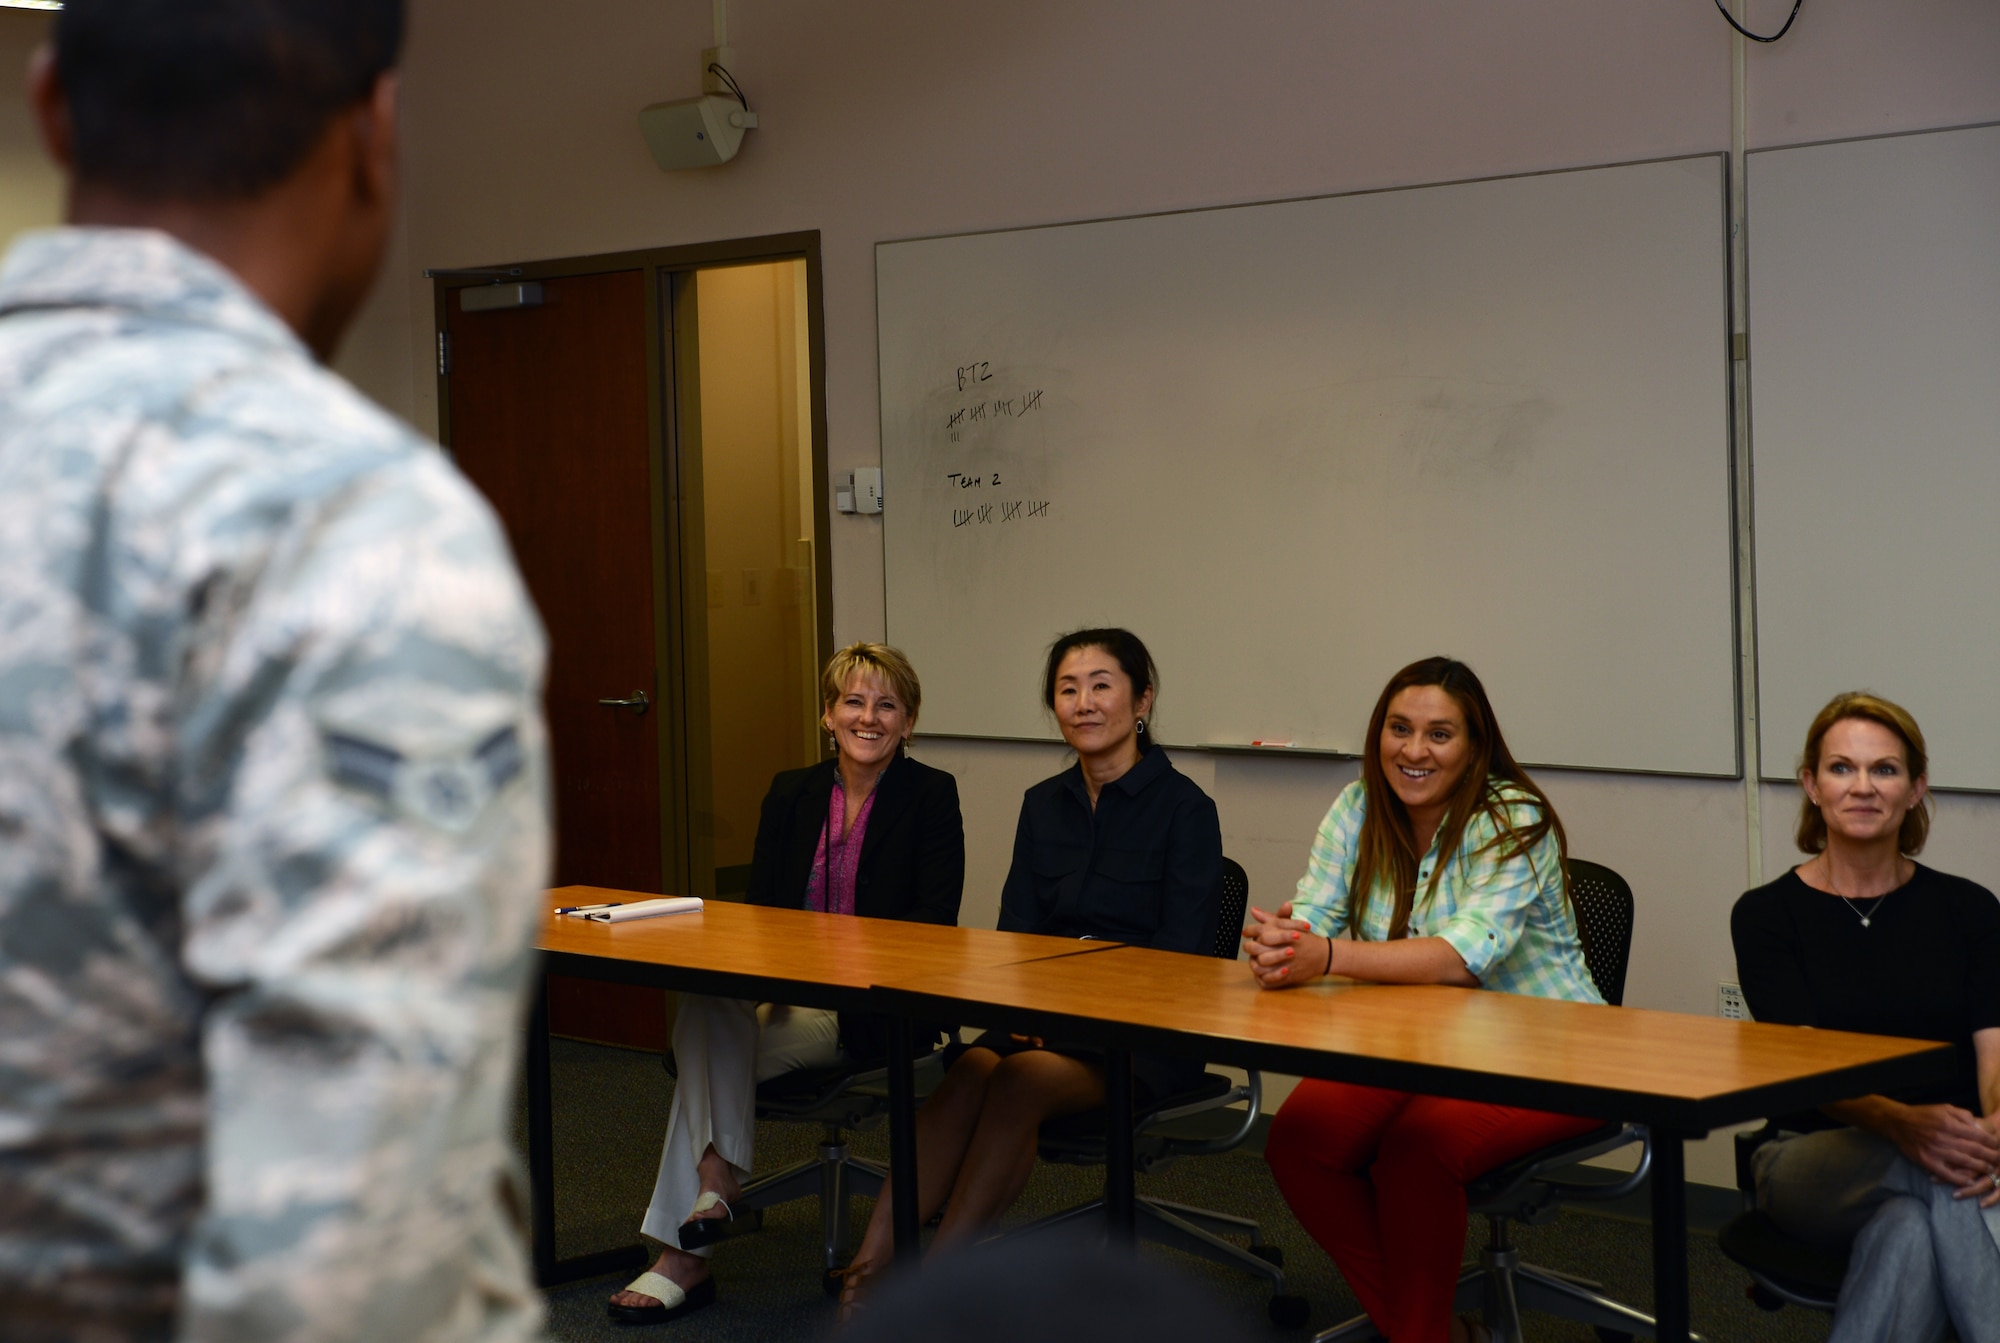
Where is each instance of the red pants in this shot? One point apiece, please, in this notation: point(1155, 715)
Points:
point(1378, 1178)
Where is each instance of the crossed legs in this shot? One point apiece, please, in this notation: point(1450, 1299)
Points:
point(1920, 1260)
point(976, 1142)
point(723, 1047)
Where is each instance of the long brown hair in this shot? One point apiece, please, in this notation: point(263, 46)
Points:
point(1388, 841)
point(1870, 708)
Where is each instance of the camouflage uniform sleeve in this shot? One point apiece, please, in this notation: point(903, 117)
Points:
point(363, 780)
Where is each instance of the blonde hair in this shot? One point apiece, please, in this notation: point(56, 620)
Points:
point(1869, 708)
point(866, 659)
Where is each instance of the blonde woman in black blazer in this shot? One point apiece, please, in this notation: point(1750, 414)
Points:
point(870, 832)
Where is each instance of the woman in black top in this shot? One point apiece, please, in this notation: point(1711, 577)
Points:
point(869, 832)
point(1120, 846)
point(1860, 937)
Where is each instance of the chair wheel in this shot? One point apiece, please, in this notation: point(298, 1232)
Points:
point(1290, 1312)
point(1271, 1254)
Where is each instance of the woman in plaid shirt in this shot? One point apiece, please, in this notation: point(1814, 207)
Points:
point(1442, 864)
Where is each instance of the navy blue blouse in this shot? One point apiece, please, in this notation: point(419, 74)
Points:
point(1144, 868)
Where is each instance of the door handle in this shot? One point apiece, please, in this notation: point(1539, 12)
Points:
point(637, 704)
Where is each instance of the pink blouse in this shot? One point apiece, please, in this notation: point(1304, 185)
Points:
point(838, 856)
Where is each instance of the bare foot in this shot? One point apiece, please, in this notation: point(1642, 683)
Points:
point(675, 1265)
point(855, 1282)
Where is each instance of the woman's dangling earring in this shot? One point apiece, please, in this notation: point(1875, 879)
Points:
point(832, 742)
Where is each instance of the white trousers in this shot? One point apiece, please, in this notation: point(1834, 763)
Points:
point(723, 1047)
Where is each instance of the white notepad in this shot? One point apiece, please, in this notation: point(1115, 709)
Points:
point(648, 909)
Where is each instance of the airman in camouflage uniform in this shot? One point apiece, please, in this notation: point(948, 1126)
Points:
point(273, 820)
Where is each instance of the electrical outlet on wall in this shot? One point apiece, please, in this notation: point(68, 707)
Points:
point(1729, 1003)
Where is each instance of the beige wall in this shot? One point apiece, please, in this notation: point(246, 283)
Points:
point(30, 187)
point(901, 118)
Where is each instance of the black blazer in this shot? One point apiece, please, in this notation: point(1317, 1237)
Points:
point(912, 858)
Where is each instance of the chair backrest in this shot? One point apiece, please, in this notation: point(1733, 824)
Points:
point(1229, 918)
point(1603, 901)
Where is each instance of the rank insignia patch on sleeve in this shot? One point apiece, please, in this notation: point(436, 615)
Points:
point(429, 767)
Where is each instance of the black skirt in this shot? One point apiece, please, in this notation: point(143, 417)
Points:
point(1154, 1079)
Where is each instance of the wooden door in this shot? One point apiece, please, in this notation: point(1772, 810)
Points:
point(549, 417)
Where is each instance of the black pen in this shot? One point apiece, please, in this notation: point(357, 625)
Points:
point(579, 909)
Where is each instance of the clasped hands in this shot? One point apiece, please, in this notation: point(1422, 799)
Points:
point(1284, 951)
point(1956, 1148)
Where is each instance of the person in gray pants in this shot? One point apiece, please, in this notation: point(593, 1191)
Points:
point(1861, 937)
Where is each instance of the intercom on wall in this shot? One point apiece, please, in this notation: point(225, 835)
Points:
point(859, 490)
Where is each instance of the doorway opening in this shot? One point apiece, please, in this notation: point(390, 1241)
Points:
point(758, 495)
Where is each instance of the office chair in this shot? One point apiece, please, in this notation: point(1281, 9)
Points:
point(1530, 1190)
point(838, 1097)
point(1198, 1122)
point(1783, 1270)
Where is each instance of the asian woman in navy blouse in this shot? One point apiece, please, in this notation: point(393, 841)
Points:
point(1120, 846)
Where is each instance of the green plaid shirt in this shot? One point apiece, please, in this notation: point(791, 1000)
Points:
point(1508, 920)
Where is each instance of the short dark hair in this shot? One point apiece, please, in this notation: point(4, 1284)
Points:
point(212, 99)
point(1125, 649)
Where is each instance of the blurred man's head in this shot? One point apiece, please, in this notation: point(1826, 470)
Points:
point(260, 131)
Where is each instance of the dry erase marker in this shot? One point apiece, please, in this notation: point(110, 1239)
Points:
point(580, 909)
point(1266, 741)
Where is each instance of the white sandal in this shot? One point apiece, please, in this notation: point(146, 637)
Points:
point(699, 1232)
point(674, 1300)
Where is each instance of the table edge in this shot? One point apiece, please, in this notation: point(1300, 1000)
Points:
point(1686, 1115)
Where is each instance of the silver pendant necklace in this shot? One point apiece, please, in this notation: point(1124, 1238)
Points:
point(1874, 909)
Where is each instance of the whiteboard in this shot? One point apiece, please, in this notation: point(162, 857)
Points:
point(1875, 430)
point(1295, 446)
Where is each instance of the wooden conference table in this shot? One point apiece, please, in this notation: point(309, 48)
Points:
point(1681, 1075)
point(734, 950)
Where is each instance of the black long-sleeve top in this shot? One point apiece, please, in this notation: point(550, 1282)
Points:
point(1145, 867)
point(1926, 967)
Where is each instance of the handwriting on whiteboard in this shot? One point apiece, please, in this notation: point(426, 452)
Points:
point(1015, 510)
point(979, 408)
point(999, 408)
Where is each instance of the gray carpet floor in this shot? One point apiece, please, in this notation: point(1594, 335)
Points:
point(610, 1110)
